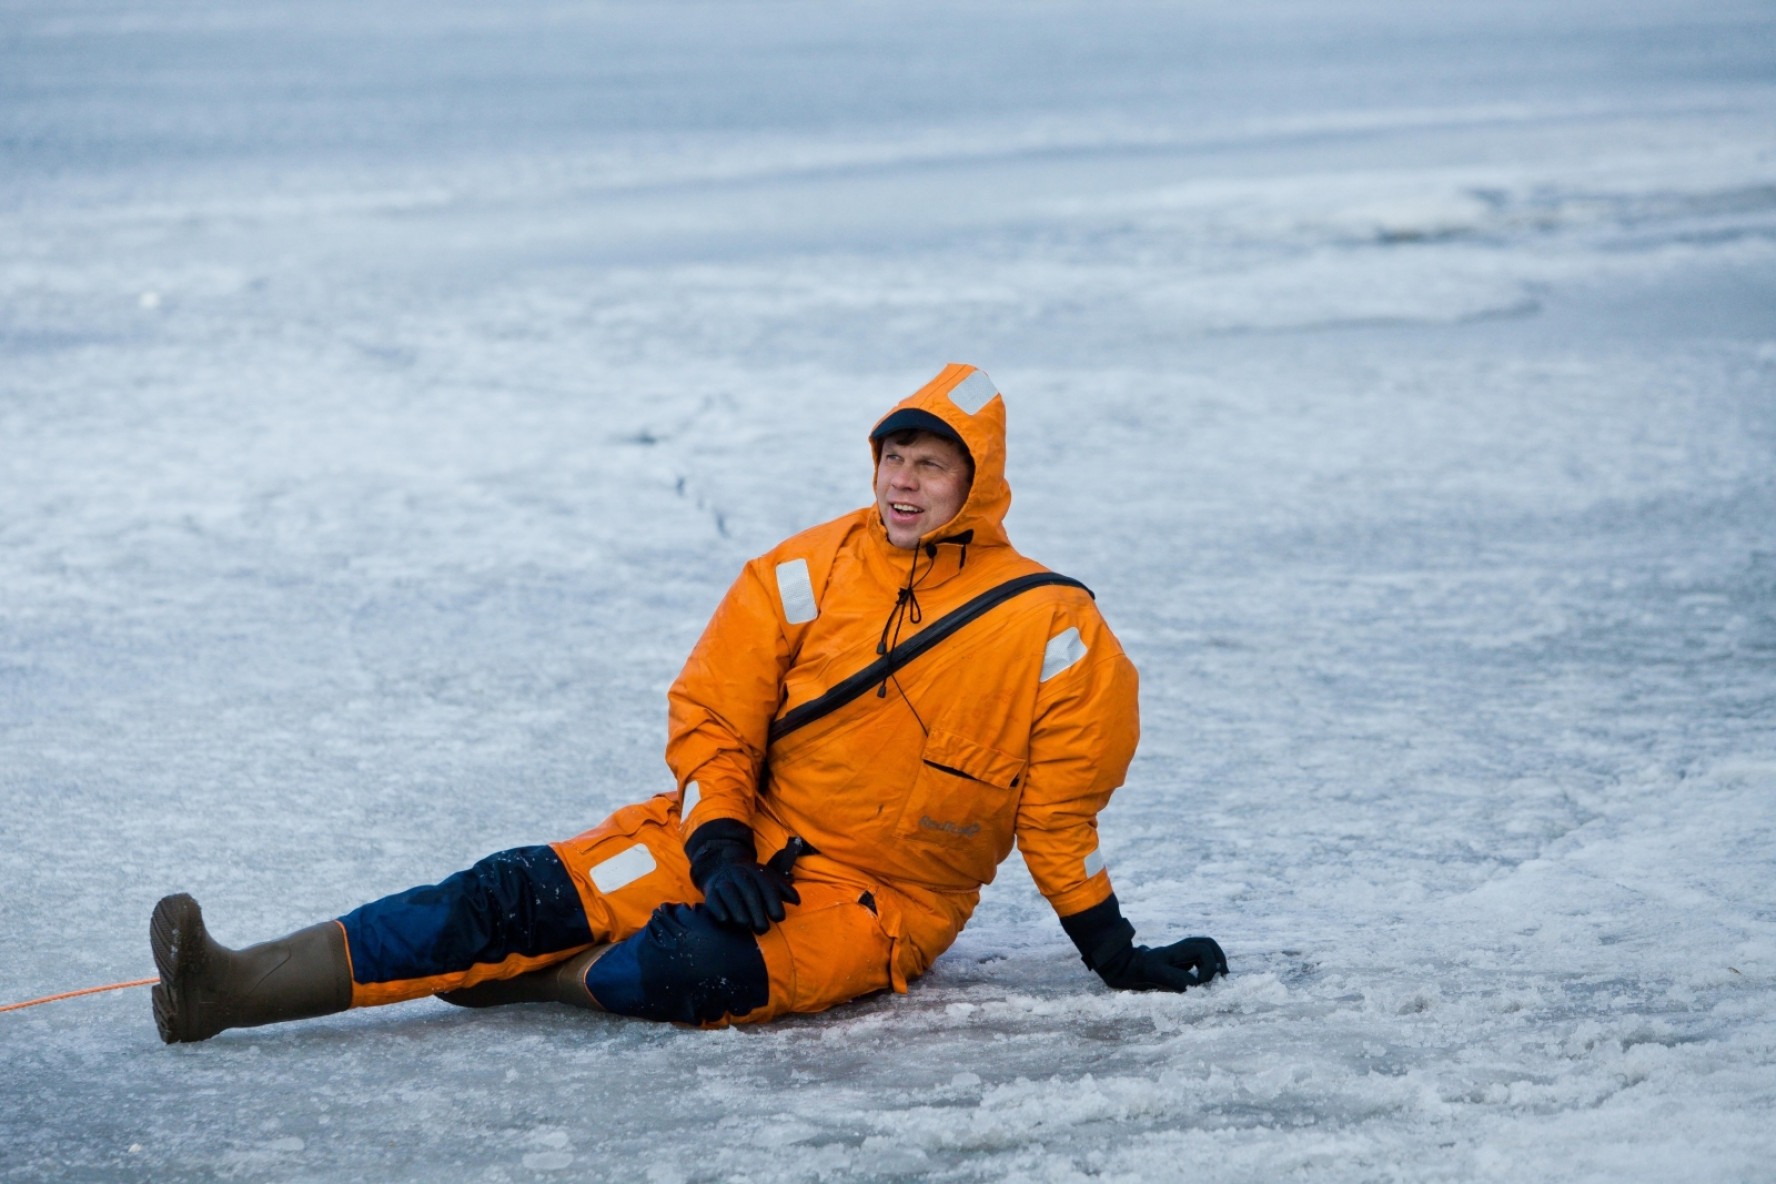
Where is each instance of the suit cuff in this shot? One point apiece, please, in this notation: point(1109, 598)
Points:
point(1100, 932)
point(718, 841)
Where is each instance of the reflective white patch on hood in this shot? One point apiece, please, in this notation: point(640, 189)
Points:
point(973, 392)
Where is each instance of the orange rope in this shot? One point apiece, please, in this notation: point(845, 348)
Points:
point(141, 982)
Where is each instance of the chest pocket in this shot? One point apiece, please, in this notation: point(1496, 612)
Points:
point(963, 804)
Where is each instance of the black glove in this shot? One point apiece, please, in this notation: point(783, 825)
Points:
point(736, 890)
point(1106, 944)
point(1188, 963)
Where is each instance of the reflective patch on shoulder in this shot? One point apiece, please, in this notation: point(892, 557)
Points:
point(1063, 650)
point(621, 870)
point(1094, 863)
point(796, 591)
point(973, 392)
point(688, 800)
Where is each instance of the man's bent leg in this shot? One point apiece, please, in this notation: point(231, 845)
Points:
point(685, 967)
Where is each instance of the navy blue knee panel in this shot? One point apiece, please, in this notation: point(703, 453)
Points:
point(520, 901)
point(683, 967)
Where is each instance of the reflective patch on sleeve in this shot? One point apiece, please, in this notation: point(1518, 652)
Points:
point(687, 801)
point(623, 869)
point(1094, 863)
point(796, 591)
point(973, 392)
point(1063, 650)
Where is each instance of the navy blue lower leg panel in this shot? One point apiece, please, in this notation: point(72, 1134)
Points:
point(683, 967)
point(520, 901)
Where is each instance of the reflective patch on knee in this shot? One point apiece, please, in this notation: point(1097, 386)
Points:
point(623, 869)
point(684, 968)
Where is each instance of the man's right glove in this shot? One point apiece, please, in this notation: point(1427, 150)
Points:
point(736, 889)
point(1106, 944)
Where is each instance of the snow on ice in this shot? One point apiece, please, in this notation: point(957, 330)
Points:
point(387, 394)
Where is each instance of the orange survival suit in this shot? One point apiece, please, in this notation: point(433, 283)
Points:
point(1020, 726)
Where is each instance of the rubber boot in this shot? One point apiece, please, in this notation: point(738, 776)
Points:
point(205, 988)
point(564, 982)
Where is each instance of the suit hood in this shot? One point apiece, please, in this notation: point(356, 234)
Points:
point(965, 399)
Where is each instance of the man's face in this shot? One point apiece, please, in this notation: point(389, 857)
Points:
point(920, 485)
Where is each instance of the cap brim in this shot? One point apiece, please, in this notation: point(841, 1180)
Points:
point(911, 419)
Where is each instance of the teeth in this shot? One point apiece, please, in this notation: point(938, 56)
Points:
point(904, 508)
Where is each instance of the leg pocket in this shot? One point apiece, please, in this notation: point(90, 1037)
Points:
point(830, 949)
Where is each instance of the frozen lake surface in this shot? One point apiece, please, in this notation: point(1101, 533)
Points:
point(388, 393)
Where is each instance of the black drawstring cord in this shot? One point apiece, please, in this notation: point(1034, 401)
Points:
point(906, 606)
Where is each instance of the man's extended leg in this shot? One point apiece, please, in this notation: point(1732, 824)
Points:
point(512, 912)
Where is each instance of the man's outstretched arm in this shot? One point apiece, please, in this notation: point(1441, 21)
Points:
point(1087, 727)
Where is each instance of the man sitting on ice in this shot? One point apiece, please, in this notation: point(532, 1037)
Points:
point(879, 708)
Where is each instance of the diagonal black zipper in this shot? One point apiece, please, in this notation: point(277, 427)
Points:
point(912, 647)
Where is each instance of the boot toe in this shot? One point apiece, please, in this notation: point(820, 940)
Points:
point(177, 920)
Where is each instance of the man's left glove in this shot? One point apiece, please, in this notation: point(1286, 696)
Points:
point(1106, 943)
point(1188, 963)
point(736, 889)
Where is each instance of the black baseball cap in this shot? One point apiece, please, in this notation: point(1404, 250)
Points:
point(911, 419)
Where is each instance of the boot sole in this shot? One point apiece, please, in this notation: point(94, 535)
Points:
point(175, 933)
